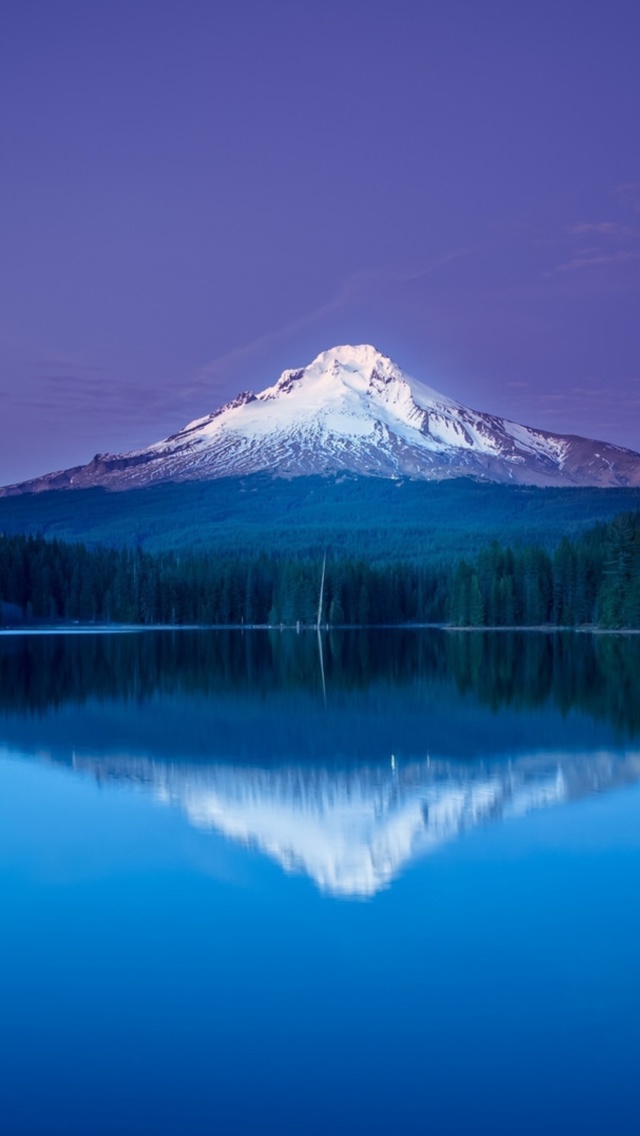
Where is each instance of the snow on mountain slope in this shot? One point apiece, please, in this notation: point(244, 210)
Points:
point(352, 409)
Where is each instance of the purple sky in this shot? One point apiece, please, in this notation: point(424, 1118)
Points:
point(197, 194)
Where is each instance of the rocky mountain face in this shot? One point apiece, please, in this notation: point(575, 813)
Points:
point(353, 410)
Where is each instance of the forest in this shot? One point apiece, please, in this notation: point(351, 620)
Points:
point(377, 519)
point(592, 578)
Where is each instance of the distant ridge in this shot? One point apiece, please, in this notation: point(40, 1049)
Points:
point(353, 410)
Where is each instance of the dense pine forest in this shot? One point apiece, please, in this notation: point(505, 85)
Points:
point(376, 519)
point(593, 578)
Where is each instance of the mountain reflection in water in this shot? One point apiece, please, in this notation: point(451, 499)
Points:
point(401, 742)
point(352, 831)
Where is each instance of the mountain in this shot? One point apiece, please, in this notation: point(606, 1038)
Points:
point(353, 410)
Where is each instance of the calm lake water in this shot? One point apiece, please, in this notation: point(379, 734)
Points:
point(387, 882)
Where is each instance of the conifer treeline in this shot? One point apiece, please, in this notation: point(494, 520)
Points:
point(593, 579)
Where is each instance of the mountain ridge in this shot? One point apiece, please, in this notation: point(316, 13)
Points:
point(353, 410)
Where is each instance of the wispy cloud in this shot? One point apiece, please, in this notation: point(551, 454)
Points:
point(628, 194)
point(88, 398)
point(355, 287)
point(593, 244)
point(60, 361)
point(603, 229)
point(62, 387)
point(577, 263)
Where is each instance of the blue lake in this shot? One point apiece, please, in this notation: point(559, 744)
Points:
point(381, 882)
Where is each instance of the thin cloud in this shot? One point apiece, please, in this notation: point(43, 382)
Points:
point(352, 289)
point(73, 382)
point(628, 193)
point(601, 243)
point(577, 263)
point(59, 361)
point(66, 385)
point(62, 395)
point(603, 229)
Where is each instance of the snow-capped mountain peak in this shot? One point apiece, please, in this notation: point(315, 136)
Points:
point(351, 373)
point(352, 409)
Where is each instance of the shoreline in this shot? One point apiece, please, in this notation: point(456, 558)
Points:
point(136, 628)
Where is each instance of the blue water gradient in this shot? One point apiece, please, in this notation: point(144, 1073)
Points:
point(161, 975)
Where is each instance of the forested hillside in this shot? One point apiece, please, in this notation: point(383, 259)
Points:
point(591, 579)
point(376, 519)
